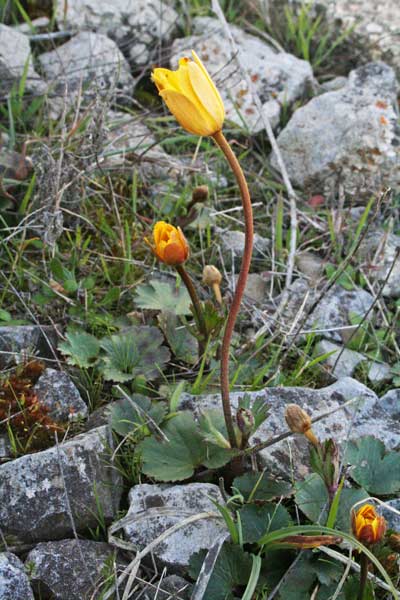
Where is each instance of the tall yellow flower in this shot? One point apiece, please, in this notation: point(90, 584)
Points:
point(191, 96)
point(170, 245)
point(368, 527)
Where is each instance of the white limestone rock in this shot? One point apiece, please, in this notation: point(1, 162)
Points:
point(278, 78)
point(350, 136)
point(177, 502)
point(291, 456)
point(137, 26)
point(37, 489)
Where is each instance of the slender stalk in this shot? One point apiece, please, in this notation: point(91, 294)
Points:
point(196, 307)
point(241, 283)
point(364, 563)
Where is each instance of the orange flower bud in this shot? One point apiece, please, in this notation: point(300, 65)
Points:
point(368, 527)
point(170, 245)
point(300, 422)
point(212, 277)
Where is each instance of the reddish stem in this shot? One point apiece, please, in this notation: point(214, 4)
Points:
point(198, 311)
point(241, 282)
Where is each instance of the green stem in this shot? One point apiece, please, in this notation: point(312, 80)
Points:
point(364, 563)
point(241, 283)
point(198, 311)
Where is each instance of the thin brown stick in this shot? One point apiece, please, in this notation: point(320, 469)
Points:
point(198, 311)
point(241, 283)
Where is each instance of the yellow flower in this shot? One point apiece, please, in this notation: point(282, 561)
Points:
point(170, 245)
point(191, 96)
point(368, 527)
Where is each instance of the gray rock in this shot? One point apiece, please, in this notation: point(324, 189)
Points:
point(232, 245)
point(291, 456)
point(90, 60)
point(14, 582)
point(138, 26)
point(256, 287)
point(333, 312)
point(379, 372)
point(58, 393)
point(33, 502)
point(334, 84)
point(376, 25)
point(41, 24)
point(171, 587)
point(67, 569)
point(378, 251)
point(390, 403)
point(15, 52)
point(393, 519)
point(279, 78)
point(129, 140)
point(349, 136)
point(311, 265)
point(166, 506)
point(17, 342)
point(348, 361)
point(5, 447)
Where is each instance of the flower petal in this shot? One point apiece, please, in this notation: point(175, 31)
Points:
point(187, 114)
point(205, 94)
point(174, 253)
point(165, 79)
point(199, 63)
point(158, 231)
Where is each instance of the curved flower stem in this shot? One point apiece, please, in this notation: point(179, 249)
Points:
point(198, 311)
point(241, 283)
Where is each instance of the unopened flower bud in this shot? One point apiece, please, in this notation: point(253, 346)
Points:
point(300, 422)
point(245, 421)
point(297, 418)
point(394, 541)
point(212, 277)
point(200, 194)
point(368, 527)
point(170, 245)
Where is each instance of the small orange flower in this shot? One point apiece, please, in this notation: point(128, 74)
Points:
point(368, 527)
point(170, 245)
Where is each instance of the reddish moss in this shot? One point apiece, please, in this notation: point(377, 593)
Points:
point(22, 414)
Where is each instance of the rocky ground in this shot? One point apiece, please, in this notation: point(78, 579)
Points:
point(89, 160)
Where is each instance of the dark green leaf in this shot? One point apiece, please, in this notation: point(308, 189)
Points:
point(259, 520)
point(378, 472)
point(81, 349)
point(126, 416)
point(185, 451)
point(312, 498)
point(160, 295)
point(352, 586)
point(299, 580)
point(182, 343)
point(267, 488)
point(5, 315)
point(135, 352)
point(231, 572)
